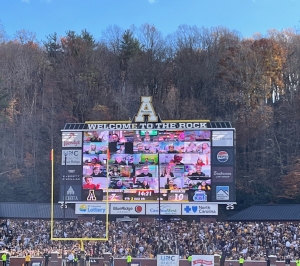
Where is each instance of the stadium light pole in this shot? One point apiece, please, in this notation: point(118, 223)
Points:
point(159, 214)
point(64, 204)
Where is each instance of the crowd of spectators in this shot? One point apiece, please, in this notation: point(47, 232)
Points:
point(251, 240)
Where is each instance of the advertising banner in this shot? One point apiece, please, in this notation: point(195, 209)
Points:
point(71, 139)
point(202, 260)
point(165, 209)
point(222, 138)
point(130, 208)
point(72, 173)
point(71, 157)
point(72, 192)
point(135, 263)
point(222, 174)
point(224, 192)
point(91, 208)
point(199, 209)
point(222, 156)
point(167, 260)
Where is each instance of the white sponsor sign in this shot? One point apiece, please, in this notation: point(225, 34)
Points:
point(71, 157)
point(129, 208)
point(202, 260)
point(71, 139)
point(165, 209)
point(222, 138)
point(199, 209)
point(167, 260)
point(90, 208)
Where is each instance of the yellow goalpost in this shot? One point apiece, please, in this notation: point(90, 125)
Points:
point(52, 214)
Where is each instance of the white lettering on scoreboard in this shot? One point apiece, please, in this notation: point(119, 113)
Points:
point(181, 125)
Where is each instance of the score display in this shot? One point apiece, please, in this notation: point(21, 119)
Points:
point(178, 165)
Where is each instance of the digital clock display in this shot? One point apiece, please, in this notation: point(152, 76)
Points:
point(145, 193)
point(140, 194)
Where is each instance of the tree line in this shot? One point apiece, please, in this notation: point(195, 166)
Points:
point(193, 73)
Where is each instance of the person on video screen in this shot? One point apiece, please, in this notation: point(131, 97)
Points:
point(96, 137)
point(98, 172)
point(145, 172)
point(145, 185)
point(192, 147)
point(114, 138)
point(200, 162)
point(205, 148)
point(92, 149)
point(147, 136)
point(119, 160)
point(171, 185)
point(125, 171)
point(177, 160)
point(114, 172)
point(171, 149)
point(198, 172)
point(119, 185)
point(204, 186)
point(167, 172)
point(140, 147)
point(89, 183)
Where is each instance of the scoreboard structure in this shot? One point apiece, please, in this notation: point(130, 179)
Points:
point(148, 166)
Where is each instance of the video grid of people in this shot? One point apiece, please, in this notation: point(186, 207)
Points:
point(149, 159)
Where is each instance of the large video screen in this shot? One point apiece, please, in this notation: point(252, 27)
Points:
point(149, 165)
point(146, 165)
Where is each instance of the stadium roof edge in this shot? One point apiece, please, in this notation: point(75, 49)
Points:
point(21, 210)
point(268, 212)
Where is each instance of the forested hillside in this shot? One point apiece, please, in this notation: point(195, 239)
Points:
point(194, 73)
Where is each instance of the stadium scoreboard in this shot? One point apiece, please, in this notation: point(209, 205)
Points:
point(148, 160)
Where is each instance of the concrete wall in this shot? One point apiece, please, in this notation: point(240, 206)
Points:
point(55, 261)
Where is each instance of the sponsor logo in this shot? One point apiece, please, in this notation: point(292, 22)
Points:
point(71, 194)
point(222, 192)
point(71, 143)
point(138, 208)
point(222, 138)
point(199, 209)
point(128, 209)
point(70, 191)
point(222, 174)
point(83, 208)
point(71, 157)
point(90, 208)
point(168, 260)
point(168, 257)
point(71, 139)
point(203, 262)
point(164, 209)
point(200, 196)
point(222, 156)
